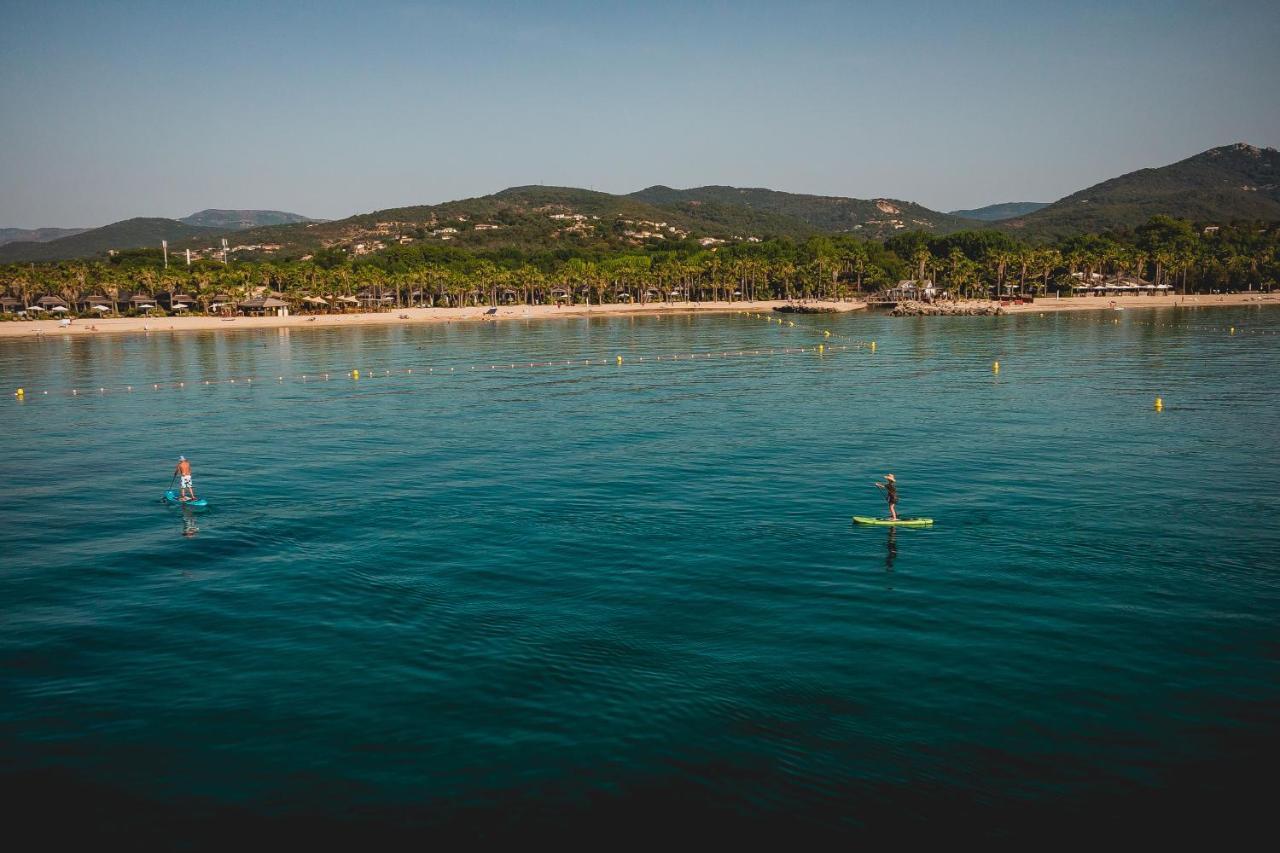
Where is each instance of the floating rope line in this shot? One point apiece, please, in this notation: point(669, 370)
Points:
point(358, 375)
point(784, 325)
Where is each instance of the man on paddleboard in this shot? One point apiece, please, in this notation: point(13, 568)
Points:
point(186, 491)
point(890, 486)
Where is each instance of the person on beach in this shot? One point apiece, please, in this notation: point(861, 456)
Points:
point(890, 486)
point(186, 491)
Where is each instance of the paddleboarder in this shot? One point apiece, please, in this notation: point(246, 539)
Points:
point(186, 491)
point(890, 486)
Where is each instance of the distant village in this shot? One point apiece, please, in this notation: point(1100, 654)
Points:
point(364, 240)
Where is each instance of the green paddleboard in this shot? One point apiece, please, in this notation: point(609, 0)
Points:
point(889, 522)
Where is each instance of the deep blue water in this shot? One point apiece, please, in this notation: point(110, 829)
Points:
point(536, 600)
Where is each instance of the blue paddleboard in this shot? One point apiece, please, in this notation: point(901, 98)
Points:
point(171, 497)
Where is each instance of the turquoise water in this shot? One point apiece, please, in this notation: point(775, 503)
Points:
point(519, 601)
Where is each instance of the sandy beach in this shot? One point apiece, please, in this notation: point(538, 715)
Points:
point(94, 326)
point(1104, 303)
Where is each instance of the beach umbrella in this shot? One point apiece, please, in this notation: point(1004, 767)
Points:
point(34, 308)
point(58, 308)
point(145, 305)
point(101, 308)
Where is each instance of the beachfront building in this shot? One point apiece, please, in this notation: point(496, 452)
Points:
point(372, 300)
point(141, 302)
point(55, 304)
point(177, 301)
point(222, 303)
point(909, 290)
point(1119, 285)
point(264, 305)
point(10, 305)
point(97, 303)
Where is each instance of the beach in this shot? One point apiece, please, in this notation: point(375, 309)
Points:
point(1104, 303)
point(197, 323)
point(194, 323)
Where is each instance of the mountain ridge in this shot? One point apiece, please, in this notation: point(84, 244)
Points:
point(1237, 182)
point(877, 217)
point(36, 235)
point(239, 220)
point(125, 234)
point(1231, 182)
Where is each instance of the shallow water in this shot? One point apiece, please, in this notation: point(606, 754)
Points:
point(502, 599)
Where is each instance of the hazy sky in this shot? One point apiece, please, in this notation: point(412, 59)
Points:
point(111, 110)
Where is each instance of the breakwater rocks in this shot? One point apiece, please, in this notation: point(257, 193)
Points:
point(946, 309)
point(805, 309)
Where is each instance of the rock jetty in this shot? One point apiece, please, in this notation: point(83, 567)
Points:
point(805, 309)
point(946, 309)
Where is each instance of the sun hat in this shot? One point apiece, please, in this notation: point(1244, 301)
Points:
point(184, 459)
point(890, 477)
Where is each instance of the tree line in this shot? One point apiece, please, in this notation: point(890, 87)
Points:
point(966, 264)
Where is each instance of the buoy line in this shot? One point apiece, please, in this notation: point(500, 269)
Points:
point(358, 375)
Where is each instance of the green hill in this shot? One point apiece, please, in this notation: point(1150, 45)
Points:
point(1003, 210)
point(127, 234)
point(527, 217)
point(238, 220)
point(1235, 182)
point(36, 235)
point(830, 214)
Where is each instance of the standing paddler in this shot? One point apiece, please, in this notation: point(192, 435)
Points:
point(186, 491)
point(890, 486)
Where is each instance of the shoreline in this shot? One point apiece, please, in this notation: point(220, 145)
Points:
point(1103, 303)
point(91, 327)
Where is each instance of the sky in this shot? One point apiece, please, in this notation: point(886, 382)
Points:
point(110, 110)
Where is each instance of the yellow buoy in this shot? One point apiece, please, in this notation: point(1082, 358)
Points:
point(1159, 407)
point(355, 374)
point(995, 367)
point(821, 348)
point(826, 334)
point(619, 359)
point(19, 393)
point(1233, 330)
point(873, 346)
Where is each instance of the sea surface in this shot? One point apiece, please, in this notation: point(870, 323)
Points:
point(466, 595)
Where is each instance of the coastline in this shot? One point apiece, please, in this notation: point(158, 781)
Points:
point(1103, 303)
point(410, 316)
point(403, 316)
